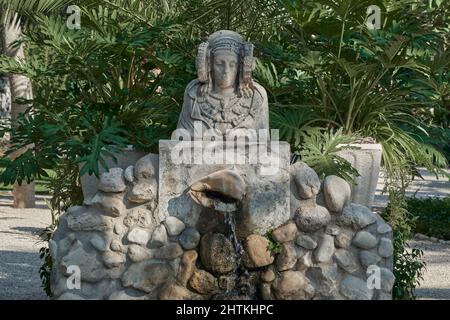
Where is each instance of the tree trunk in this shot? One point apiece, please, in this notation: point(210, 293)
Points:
point(20, 86)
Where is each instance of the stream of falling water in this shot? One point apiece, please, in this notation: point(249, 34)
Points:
point(242, 285)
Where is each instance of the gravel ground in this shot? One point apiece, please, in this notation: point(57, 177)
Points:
point(436, 282)
point(428, 187)
point(19, 250)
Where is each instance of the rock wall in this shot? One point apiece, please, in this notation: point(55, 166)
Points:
point(124, 251)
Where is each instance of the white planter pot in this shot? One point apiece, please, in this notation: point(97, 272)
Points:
point(128, 157)
point(367, 161)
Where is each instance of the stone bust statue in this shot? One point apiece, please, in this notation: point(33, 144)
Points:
point(224, 97)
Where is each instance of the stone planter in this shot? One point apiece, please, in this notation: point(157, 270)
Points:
point(367, 161)
point(128, 157)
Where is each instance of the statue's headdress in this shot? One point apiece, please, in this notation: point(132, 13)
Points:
point(232, 41)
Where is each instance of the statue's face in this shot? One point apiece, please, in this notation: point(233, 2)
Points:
point(225, 69)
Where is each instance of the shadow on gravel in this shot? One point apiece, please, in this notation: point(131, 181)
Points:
point(433, 293)
point(30, 230)
point(19, 276)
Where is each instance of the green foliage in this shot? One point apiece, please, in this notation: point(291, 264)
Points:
point(274, 246)
point(318, 150)
point(106, 143)
point(389, 84)
point(111, 84)
point(254, 19)
point(65, 188)
point(408, 263)
point(45, 270)
point(408, 269)
point(431, 216)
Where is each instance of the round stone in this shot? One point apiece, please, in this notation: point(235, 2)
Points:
point(169, 251)
point(257, 250)
point(332, 230)
point(356, 216)
point(364, 240)
point(217, 253)
point(176, 292)
point(304, 262)
point(129, 174)
point(113, 259)
point(147, 275)
point(368, 258)
point(159, 236)
point(143, 192)
point(337, 193)
point(139, 236)
point(355, 289)
point(109, 203)
point(384, 228)
point(90, 266)
point(187, 266)
point(266, 291)
point(306, 180)
point(98, 243)
point(112, 181)
point(312, 219)
point(145, 168)
point(346, 260)
point(118, 228)
point(306, 242)
point(138, 253)
point(385, 248)
point(203, 282)
point(342, 240)
point(327, 276)
point(287, 258)
point(290, 285)
point(190, 238)
point(387, 279)
point(174, 226)
point(285, 233)
point(268, 275)
point(116, 245)
point(325, 250)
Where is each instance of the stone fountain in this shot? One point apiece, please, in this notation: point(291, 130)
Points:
point(221, 213)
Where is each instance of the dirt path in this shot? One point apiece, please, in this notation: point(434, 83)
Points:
point(19, 250)
point(430, 186)
point(436, 282)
